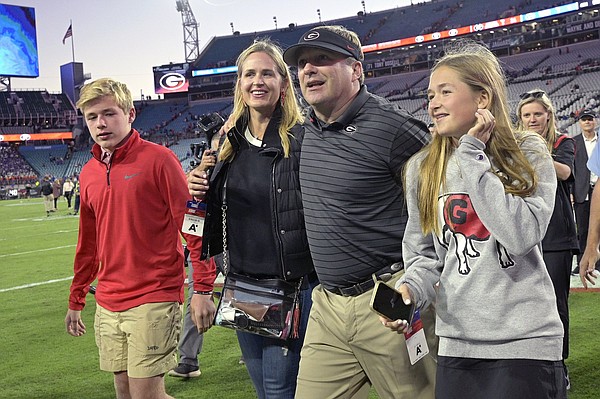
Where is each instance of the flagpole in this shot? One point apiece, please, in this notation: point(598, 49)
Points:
point(72, 42)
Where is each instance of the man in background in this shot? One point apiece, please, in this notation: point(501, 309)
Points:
point(48, 195)
point(585, 180)
point(190, 344)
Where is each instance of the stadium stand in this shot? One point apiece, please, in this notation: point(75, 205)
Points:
point(551, 54)
point(36, 108)
point(46, 160)
point(15, 170)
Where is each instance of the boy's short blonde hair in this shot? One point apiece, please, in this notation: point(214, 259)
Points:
point(105, 87)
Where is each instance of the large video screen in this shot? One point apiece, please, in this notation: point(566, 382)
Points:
point(18, 42)
point(172, 78)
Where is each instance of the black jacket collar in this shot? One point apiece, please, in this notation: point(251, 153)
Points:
point(271, 139)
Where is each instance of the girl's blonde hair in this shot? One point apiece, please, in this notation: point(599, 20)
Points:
point(290, 112)
point(479, 68)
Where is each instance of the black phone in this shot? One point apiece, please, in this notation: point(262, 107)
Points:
point(387, 302)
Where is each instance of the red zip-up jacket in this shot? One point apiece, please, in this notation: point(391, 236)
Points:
point(131, 216)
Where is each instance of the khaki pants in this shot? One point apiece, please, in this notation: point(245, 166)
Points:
point(347, 349)
point(49, 202)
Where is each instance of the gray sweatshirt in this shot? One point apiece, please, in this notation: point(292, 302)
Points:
point(495, 298)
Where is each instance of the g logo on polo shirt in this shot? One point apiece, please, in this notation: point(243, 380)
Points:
point(350, 129)
point(311, 36)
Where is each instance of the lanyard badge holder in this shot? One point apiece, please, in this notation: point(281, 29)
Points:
point(193, 221)
point(415, 339)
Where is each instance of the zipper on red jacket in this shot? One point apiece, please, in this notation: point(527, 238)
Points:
point(108, 170)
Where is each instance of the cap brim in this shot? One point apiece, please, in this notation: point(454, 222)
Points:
point(587, 112)
point(290, 56)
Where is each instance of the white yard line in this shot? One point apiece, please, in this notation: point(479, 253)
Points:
point(37, 250)
point(20, 287)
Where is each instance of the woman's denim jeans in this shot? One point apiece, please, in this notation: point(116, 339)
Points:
point(273, 363)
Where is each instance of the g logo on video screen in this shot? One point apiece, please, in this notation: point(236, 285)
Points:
point(171, 78)
point(172, 81)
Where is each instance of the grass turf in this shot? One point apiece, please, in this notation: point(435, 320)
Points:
point(38, 359)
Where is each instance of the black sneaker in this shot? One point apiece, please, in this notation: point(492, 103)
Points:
point(185, 371)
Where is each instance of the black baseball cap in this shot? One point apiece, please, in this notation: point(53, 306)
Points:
point(587, 112)
point(324, 39)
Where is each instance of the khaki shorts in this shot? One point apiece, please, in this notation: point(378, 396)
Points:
point(142, 340)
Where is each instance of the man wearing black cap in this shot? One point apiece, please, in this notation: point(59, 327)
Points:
point(353, 152)
point(591, 255)
point(584, 179)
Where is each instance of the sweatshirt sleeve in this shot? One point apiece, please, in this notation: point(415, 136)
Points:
point(518, 223)
point(421, 261)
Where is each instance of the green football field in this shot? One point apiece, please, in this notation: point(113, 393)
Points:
point(38, 359)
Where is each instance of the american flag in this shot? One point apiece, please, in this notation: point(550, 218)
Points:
point(68, 34)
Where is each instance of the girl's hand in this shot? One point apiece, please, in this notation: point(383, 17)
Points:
point(399, 326)
point(484, 126)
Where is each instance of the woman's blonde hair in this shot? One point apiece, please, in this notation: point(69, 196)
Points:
point(290, 112)
point(480, 70)
point(539, 96)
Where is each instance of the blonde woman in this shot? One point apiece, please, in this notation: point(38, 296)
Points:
point(258, 170)
point(536, 113)
point(479, 201)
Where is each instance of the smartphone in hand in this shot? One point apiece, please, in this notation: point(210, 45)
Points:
point(387, 302)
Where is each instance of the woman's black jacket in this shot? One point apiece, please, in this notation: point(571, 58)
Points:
point(286, 202)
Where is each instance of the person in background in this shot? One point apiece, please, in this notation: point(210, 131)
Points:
point(354, 149)
point(266, 236)
point(56, 192)
point(68, 191)
point(48, 195)
point(479, 201)
point(535, 112)
point(76, 194)
point(191, 341)
point(585, 142)
point(587, 266)
point(133, 206)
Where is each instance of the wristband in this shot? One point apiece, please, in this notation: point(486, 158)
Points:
point(203, 292)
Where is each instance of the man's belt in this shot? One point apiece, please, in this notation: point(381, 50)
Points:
point(354, 290)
